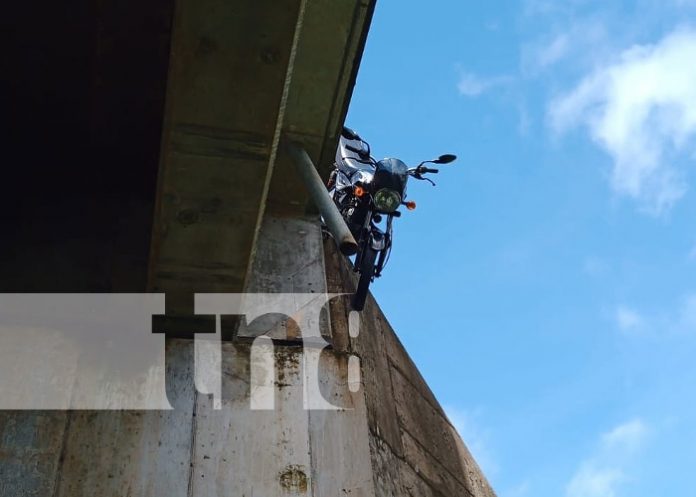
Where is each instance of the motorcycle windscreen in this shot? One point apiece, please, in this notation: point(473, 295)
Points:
point(392, 174)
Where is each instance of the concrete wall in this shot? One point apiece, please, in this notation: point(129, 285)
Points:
point(389, 437)
point(414, 448)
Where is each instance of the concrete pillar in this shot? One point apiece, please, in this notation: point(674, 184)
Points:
point(195, 449)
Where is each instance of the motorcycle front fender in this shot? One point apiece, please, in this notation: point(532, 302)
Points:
point(377, 240)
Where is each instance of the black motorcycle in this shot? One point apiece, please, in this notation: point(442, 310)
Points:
point(367, 191)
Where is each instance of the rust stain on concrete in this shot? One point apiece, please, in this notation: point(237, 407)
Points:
point(294, 479)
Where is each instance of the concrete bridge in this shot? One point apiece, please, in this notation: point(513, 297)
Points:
point(144, 152)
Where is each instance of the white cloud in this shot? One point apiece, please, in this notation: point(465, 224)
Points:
point(594, 482)
point(573, 43)
point(628, 319)
point(602, 474)
point(680, 319)
point(475, 438)
point(472, 85)
point(640, 109)
point(625, 438)
point(553, 52)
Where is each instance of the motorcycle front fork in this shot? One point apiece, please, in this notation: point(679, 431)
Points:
point(367, 238)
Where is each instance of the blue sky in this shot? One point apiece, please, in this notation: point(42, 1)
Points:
point(546, 288)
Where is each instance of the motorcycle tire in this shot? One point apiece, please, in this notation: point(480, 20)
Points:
point(367, 270)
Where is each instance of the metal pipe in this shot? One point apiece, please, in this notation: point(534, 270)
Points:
point(320, 195)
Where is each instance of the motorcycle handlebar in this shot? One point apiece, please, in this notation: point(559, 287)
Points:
point(429, 170)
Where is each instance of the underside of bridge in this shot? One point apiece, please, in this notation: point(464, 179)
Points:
point(143, 151)
point(151, 133)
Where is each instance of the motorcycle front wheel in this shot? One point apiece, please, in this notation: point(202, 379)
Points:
point(367, 270)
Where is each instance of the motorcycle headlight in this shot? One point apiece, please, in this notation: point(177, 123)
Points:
point(387, 200)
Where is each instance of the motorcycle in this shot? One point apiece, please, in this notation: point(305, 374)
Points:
point(366, 191)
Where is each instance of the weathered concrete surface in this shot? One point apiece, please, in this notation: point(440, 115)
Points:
point(339, 439)
point(75, 453)
point(275, 269)
point(144, 453)
point(415, 449)
point(387, 435)
point(30, 447)
point(242, 452)
point(229, 68)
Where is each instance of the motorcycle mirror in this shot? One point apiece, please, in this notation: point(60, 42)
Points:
point(350, 134)
point(445, 159)
point(364, 151)
point(361, 150)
